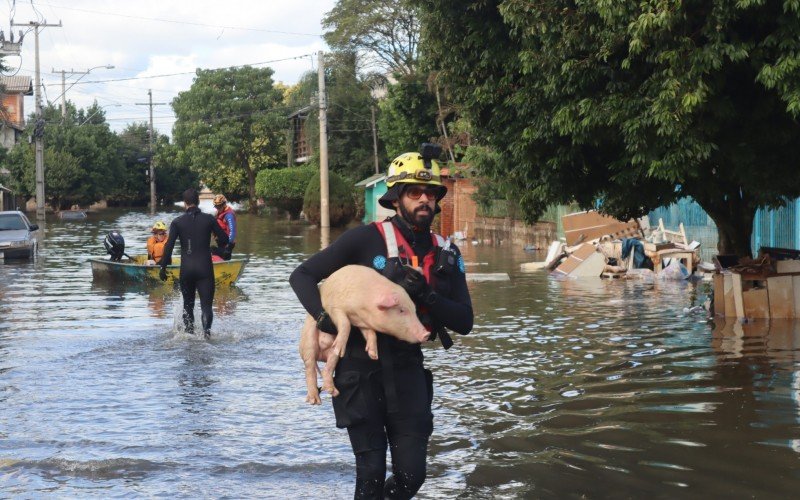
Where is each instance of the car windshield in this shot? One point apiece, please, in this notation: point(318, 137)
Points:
point(11, 222)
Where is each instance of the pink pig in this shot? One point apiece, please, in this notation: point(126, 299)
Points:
point(361, 297)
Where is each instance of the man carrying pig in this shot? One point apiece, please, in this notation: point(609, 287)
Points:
point(386, 403)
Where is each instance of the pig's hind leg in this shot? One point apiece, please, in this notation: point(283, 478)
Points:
point(336, 351)
point(310, 352)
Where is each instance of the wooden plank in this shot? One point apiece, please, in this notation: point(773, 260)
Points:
point(719, 295)
point(727, 292)
point(796, 292)
point(570, 264)
point(576, 236)
point(488, 277)
point(584, 261)
point(591, 218)
point(584, 251)
point(592, 267)
point(738, 303)
point(756, 303)
point(587, 226)
point(788, 266)
point(653, 247)
point(781, 297)
point(575, 258)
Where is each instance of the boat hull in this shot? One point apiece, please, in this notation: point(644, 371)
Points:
point(136, 271)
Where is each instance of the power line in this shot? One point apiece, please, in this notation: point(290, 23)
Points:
point(189, 23)
point(193, 72)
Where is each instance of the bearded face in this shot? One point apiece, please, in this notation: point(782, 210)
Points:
point(417, 205)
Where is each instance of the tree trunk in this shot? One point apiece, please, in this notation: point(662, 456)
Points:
point(251, 190)
point(734, 228)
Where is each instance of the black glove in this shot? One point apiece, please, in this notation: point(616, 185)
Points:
point(227, 253)
point(162, 274)
point(325, 323)
point(417, 288)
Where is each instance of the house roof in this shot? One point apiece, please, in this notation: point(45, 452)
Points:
point(17, 84)
point(371, 180)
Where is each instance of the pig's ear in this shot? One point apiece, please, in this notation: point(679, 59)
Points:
point(387, 301)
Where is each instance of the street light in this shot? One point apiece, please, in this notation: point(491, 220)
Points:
point(98, 110)
point(64, 89)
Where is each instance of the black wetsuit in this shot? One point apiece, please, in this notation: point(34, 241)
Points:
point(389, 398)
point(194, 229)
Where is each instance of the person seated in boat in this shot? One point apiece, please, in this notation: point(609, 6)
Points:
point(226, 218)
point(155, 243)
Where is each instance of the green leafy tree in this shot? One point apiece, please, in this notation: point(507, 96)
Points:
point(408, 116)
point(633, 104)
point(385, 33)
point(172, 177)
point(350, 145)
point(82, 158)
point(284, 188)
point(132, 185)
point(230, 125)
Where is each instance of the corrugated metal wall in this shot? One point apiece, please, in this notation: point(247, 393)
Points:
point(771, 228)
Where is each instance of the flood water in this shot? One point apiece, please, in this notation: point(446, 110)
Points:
point(565, 389)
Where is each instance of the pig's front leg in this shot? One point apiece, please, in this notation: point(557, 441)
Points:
point(337, 350)
point(371, 337)
point(309, 352)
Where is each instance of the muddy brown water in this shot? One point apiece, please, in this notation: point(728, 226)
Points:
point(565, 389)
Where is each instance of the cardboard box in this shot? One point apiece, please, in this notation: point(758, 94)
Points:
point(781, 297)
point(756, 303)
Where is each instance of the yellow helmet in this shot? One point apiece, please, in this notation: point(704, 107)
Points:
point(219, 200)
point(410, 168)
point(159, 226)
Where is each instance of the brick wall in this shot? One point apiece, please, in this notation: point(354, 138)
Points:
point(13, 109)
point(460, 214)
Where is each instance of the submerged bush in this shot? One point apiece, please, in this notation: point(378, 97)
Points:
point(341, 200)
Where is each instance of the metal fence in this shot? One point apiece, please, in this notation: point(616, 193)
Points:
point(696, 222)
point(771, 228)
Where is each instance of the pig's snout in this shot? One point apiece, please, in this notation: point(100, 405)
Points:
point(422, 334)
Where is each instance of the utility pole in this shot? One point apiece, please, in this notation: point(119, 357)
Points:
point(374, 140)
point(324, 202)
point(38, 133)
point(64, 89)
point(152, 165)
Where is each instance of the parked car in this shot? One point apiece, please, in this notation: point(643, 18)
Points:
point(17, 236)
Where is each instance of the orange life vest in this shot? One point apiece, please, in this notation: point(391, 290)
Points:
point(155, 248)
point(397, 246)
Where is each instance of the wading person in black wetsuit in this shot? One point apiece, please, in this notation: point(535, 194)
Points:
point(387, 402)
point(194, 229)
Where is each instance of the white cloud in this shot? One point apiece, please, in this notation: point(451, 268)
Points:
point(148, 38)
